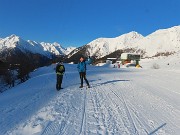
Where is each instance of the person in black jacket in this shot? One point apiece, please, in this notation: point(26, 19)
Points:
point(60, 70)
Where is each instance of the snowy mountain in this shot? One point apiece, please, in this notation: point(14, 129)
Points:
point(161, 42)
point(53, 48)
point(165, 41)
point(104, 46)
point(69, 49)
point(45, 49)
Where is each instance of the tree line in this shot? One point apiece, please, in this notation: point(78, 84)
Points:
point(16, 69)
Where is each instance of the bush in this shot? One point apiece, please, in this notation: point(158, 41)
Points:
point(155, 66)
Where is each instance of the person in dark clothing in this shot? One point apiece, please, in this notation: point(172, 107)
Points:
point(82, 71)
point(60, 70)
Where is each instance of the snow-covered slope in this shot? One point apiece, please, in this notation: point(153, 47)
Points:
point(69, 49)
point(104, 46)
point(54, 48)
point(165, 41)
point(46, 49)
point(120, 102)
point(171, 62)
point(161, 41)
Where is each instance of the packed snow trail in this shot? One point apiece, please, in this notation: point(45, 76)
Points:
point(119, 102)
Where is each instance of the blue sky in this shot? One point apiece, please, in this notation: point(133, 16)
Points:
point(77, 22)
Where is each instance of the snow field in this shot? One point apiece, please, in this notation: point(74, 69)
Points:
point(120, 102)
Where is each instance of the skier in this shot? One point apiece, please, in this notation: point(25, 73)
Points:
point(60, 70)
point(82, 70)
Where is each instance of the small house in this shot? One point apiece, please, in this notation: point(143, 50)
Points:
point(130, 57)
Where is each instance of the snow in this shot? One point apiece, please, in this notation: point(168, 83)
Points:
point(104, 46)
point(170, 63)
point(70, 49)
point(160, 41)
point(55, 48)
point(165, 40)
point(126, 101)
point(46, 49)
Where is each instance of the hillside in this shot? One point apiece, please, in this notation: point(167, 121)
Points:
point(161, 42)
point(104, 46)
point(45, 49)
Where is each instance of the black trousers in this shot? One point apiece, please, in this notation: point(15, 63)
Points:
point(83, 76)
point(59, 81)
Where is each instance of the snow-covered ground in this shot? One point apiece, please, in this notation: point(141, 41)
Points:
point(171, 63)
point(126, 101)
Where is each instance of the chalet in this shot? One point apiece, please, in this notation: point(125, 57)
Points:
point(130, 57)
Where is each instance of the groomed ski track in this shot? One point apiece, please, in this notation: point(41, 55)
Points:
point(119, 102)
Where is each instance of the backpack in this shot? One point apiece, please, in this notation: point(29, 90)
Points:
point(61, 69)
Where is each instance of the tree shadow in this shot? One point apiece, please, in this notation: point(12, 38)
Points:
point(153, 132)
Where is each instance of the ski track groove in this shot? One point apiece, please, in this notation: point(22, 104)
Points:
point(127, 119)
point(63, 126)
point(98, 110)
point(134, 130)
point(114, 113)
point(83, 113)
point(131, 112)
point(148, 126)
point(100, 88)
point(162, 103)
point(158, 104)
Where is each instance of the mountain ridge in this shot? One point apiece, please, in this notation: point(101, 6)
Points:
point(46, 49)
point(162, 41)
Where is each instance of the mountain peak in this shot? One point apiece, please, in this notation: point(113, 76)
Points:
point(56, 44)
point(134, 33)
point(14, 36)
point(42, 48)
